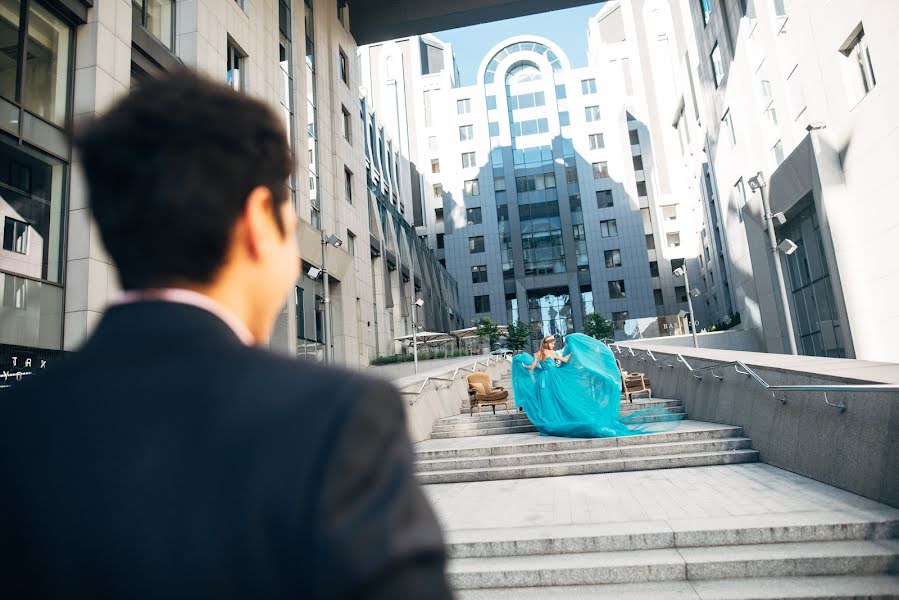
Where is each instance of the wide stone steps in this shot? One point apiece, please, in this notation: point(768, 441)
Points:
point(873, 587)
point(804, 559)
point(638, 463)
point(521, 444)
point(587, 455)
point(502, 415)
point(523, 425)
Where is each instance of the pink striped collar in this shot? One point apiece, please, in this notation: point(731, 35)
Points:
point(191, 298)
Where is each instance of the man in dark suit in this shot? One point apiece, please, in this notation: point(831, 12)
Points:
point(171, 456)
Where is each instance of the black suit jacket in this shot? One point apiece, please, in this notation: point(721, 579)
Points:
point(166, 459)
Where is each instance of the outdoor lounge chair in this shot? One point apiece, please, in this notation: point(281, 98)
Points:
point(481, 392)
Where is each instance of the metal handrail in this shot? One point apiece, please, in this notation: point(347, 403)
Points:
point(750, 372)
point(490, 360)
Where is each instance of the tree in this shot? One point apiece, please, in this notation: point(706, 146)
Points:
point(518, 336)
point(487, 331)
point(599, 327)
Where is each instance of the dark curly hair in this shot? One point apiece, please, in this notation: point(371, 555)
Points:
point(169, 169)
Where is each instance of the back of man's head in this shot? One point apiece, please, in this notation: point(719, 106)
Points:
point(169, 169)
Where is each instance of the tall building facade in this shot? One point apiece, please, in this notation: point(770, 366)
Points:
point(802, 92)
point(537, 187)
point(66, 61)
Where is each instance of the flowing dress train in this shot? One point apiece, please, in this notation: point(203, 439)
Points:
point(581, 397)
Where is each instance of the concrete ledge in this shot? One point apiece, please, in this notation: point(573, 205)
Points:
point(439, 399)
point(856, 450)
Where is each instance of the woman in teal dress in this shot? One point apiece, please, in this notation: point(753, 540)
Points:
point(577, 392)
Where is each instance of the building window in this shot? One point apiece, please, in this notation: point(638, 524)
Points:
point(466, 132)
point(658, 297)
point(858, 70)
point(440, 241)
point(591, 113)
point(499, 184)
point(344, 67)
point(588, 86)
point(438, 190)
point(473, 216)
point(156, 16)
point(705, 7)
point(428, 106)
point(613, 258)
point(347, 122)
point(468, 160)
point(597, 141)
point(641, 189)
point(600, 169)
point(616, 289)
point(564, 118)
point(479, 274)
point(740, 198)
point(653, 268)
point(351, 242)
point(717, 66)
point(438, 215)
point(676, 263)
point(435, 165)
point(14, 292)
point(618, 319)
point(680, 292)
point(472, 188)
point(608, 228)
point(637, 159)
point(634, 137)
point(236, 77)
point(531, 183)
point(493, 129)
point(348, 184)
point(650, 242)
point(491, 103)
point(482, 304)
point(778, 153)
point(674, 240)
point(797, 95)
point(463, 107)
point(669, 212)
point(728, 120)
point(15, 236)
point(604, 199)
point(476, 244)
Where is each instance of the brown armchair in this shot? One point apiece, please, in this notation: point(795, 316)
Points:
point(481, 392)
point(633, 383)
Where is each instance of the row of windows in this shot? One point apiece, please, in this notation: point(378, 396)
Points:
point(530, 127)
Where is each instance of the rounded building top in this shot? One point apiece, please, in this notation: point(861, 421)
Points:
point(524, 44)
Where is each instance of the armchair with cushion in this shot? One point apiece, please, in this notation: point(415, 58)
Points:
point(482, 392)
point(634, 383)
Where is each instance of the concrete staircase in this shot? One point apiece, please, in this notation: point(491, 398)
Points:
point(816, 556)
point(843, 547)
point(511, 421)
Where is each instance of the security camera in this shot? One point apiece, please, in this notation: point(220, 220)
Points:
point(757, 181)
point(419, 303)
point(779, 217)
point(695, 292)
point(788, 247)
point(814, 126)
point(679, 272)
point(313, 272)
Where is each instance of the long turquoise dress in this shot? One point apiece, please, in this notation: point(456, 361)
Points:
point(581, 397)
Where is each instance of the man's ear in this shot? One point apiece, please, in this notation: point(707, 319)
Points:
point(260, 221)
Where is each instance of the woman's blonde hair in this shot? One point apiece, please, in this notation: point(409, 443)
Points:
point(546, 340)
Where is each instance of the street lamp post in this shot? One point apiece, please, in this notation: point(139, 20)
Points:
point(336, 242)
point(682, 272)
point(758, 183)
point(416, 304)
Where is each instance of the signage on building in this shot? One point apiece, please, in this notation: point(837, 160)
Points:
point(20, 362)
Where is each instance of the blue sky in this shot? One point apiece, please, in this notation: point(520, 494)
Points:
point(567, 28)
